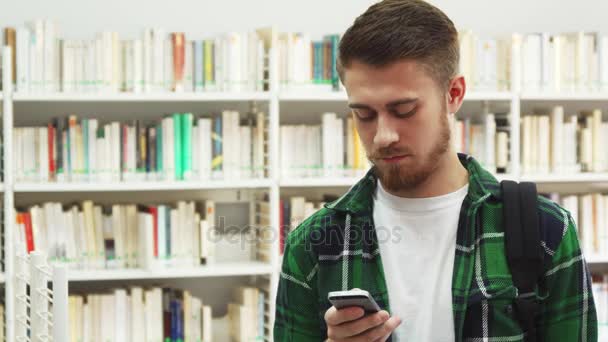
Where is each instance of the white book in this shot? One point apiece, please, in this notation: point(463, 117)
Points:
point(557, 136)
point(100, 63)
point(23, 59)
point(207, 324)
point(138, 66)
point(92, 152)
point(486, 68)
point(158, 45)
point(116, 69)
point(245, 152)
point(532, 62)
point(50, 36)
point(146, 241)
point(586, 225)
point(44, 154)
point(189, 67)
point(99, 241)
point(162, 235)
point(169, 152)
point(328, 130)
point(37, 61)
point(137, 322)
point(148, 60)
point(602, 60)
point(597, 149)
point(175, 238)
point(115, 143)
point(127, 66)
point(490, 142)
point(120, 315)
point(67, 67)
point(545, 79)
point(167, 76)
point(544, 143)
point(118, 234)
point(108, 59)
point(339, 154)
point(90, 65)
point(350, 146)
point(78, 66)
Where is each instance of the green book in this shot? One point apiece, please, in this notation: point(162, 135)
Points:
point(187, 119)
point(177, 144)
point(159, 149)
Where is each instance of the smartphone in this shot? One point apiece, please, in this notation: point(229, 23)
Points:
point(355, 297)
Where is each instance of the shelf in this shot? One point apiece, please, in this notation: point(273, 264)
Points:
point(143, 97)
point(218, 270)
point(141, 186)
point(340, 181)
point(567, 178)
point(338, 96)
point(319, 182)
point(552, 96)
point(341, 96)
point(488, 96)
point(597, 260)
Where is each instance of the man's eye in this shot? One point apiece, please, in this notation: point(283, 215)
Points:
point(405, 115)
point(364, 114)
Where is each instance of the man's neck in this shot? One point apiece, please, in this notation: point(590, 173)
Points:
point(449, 176)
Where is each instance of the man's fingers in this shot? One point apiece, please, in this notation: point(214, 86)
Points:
point(379, 332)
point(334, 316)
point(358, 326)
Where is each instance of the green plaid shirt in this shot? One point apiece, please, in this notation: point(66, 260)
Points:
point(337, 249)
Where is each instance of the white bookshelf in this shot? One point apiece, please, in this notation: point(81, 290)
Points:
point(273, 185)
point(217, 270)
point(319, 182)
point(141, 186)
point(566, 178)
point(144, 97)
point(552, 96)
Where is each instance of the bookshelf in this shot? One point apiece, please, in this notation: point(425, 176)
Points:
point(278, 104)
point(140, 186)
point(219, 270)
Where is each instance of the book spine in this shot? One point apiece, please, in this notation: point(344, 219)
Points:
point(186, 124)
point(177, 129)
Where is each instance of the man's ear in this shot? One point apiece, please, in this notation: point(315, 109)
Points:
point(456, 92)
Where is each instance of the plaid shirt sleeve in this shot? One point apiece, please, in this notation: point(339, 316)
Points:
point(297, 309)
point(568, 313)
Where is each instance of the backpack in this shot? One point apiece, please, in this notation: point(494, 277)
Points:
point(523, 250)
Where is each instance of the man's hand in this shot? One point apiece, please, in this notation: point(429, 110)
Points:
point(350, 325)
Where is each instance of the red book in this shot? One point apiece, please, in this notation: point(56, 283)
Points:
point(179, 46)
point(154, 212)
point(29, 233)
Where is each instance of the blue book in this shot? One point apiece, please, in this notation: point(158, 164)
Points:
point(216, 138)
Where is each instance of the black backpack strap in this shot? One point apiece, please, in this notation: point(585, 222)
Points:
point(523, 248)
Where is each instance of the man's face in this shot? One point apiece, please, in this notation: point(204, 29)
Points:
point(401, 116)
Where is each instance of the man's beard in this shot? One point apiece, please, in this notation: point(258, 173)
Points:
point(395, 177)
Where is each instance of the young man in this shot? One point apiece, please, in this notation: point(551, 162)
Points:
point(423, 231)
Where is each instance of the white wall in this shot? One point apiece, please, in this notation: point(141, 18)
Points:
point(81, 18)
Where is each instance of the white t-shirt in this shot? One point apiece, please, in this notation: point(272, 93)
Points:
point(417, 240)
